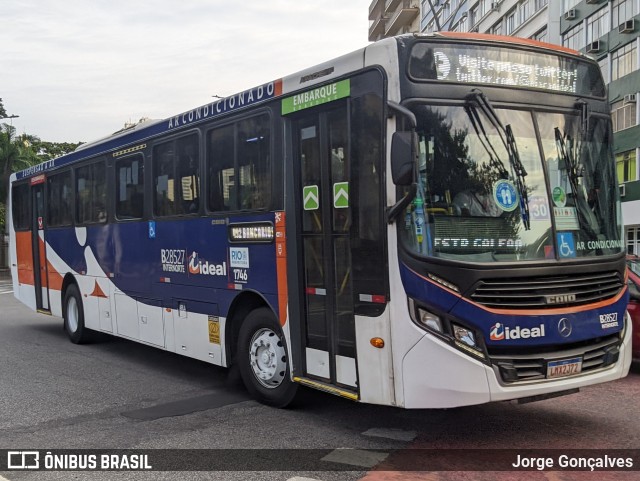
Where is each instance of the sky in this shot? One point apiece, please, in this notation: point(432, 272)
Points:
point(77, 70)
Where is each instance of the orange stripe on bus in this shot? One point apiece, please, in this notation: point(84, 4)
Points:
point(278, 88)
point(55, 279)
point(507, 39)
point(24, 258)
point(97, 291)
point(281, 267)
point(43, 272)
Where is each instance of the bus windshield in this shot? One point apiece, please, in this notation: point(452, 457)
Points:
point(492, 189)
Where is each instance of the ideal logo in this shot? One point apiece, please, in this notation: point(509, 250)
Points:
point(500, 332)
point(197, 266)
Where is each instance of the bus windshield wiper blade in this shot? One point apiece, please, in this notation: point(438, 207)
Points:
point(572, 173)
point(508, 139)
point(478, 126)
point(520, 174)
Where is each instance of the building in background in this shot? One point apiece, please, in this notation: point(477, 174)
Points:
point(393, 17)
point(608, 30)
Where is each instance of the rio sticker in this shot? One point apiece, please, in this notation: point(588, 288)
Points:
point(505, 195)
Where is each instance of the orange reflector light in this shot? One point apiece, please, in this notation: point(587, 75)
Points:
point(377, 342)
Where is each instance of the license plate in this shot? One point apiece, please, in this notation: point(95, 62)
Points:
point(564, 367)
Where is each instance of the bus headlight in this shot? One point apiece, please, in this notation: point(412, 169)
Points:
point(465, 338)
point(425, 318)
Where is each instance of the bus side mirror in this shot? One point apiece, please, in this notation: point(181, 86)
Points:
point(403, 154)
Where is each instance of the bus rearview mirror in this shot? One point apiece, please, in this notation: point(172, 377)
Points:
point(403, 157)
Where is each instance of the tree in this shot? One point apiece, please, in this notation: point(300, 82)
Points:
point(16, 153)
point(51, 150)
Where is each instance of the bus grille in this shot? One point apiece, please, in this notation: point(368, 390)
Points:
point(515, 368)
point(547, 291)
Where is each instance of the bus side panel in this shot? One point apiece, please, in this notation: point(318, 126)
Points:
point(375, 365)
point(23, 276)
point(24, 259)
point(172, 290)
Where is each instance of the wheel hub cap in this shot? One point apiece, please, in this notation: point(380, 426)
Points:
point(268, 358)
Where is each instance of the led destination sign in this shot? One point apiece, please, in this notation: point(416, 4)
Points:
point(248, 232)
point(480, 69)
point(505, 67)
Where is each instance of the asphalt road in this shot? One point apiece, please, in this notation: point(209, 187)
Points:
point(116, 394)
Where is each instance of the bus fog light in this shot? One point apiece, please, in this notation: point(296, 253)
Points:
point(430, 320)
point(425, 318)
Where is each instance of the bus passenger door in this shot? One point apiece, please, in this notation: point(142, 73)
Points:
point(39, 249)
point(321, 152)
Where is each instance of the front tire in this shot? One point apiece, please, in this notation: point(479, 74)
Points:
point(73, 314)
point(263, 360)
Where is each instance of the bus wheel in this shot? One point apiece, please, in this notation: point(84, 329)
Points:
point(262, 358)
point(74, 316)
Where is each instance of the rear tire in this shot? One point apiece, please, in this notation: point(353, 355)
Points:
point(73, 313)
point(263, 359)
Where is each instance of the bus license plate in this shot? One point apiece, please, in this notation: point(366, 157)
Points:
point(564, 367)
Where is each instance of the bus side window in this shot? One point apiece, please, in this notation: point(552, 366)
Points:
point(164, 180)
point(239, 165)
point(253, 153)
point(91, 193)
point(176, 177)
point(130, 188)
point(59, 197)
point(220, 169)
point(189, 174)
point(20, 206)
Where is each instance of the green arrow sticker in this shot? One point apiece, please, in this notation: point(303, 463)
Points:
point(341, 195)
point(310, 197)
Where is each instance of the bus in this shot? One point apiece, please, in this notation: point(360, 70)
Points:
point(431, 221)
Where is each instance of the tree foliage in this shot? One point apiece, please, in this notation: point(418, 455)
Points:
point(18, 152)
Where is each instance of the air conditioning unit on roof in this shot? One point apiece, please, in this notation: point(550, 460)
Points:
point(626, 27)
point(570, 14)
point(629, 99)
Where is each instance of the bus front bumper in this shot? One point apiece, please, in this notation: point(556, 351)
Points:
point(436, 375)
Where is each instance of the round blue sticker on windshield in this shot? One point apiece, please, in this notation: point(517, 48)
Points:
point(505, 195)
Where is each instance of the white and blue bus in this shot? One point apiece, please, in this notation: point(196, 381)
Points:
point(430, 221)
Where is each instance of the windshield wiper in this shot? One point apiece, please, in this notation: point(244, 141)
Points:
point(478, 126)
point(572, 172)
point(508, 139)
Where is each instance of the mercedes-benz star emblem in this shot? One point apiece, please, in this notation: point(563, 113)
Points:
point(564, 327)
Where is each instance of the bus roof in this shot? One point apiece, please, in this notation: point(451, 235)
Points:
point(528, 42)
point(136, 135)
